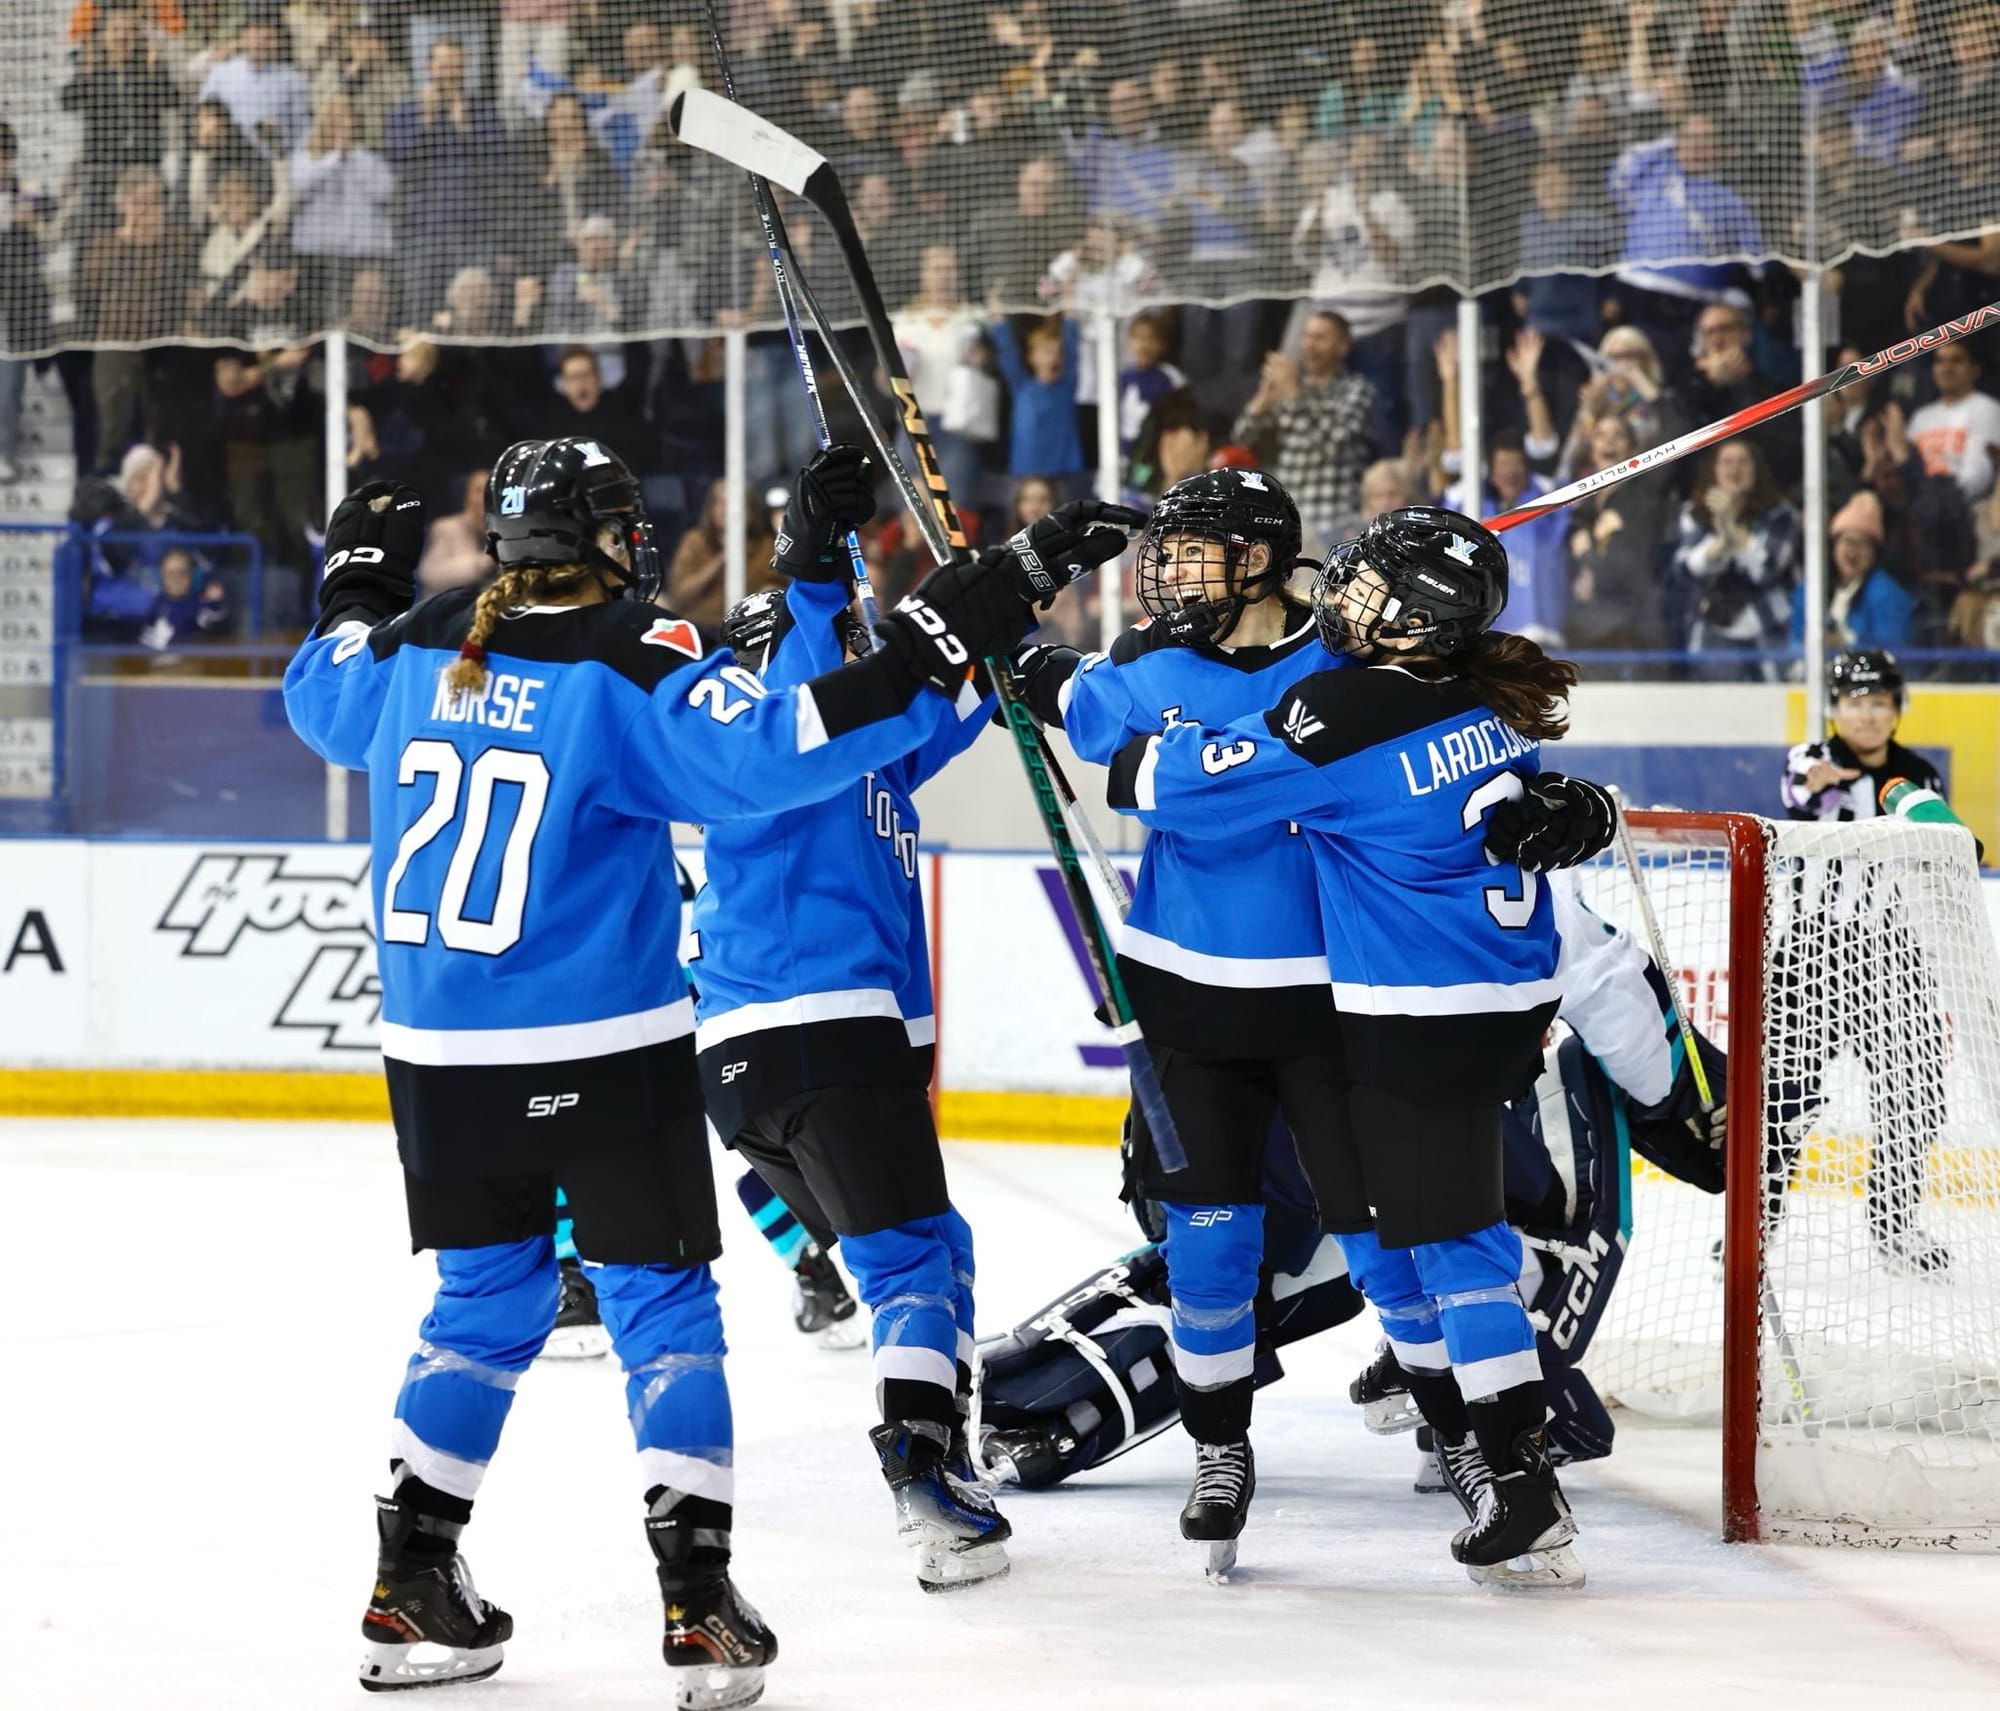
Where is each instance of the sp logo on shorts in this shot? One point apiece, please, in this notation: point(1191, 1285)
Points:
point(1210, 1216)
point(730, 1071)
point(548, 1104)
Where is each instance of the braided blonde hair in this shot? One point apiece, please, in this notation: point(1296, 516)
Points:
point(522, 586)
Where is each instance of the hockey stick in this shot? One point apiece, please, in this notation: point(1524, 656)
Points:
point(1750, 416)
point(734, 134)
point(1628, 850)
point(774, 241)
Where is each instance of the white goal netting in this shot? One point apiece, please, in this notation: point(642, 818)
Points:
point(1871, 1037)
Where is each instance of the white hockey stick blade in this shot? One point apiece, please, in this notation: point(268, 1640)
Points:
point(735, 134)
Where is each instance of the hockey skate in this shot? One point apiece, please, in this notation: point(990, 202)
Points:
point(1462, 1471)
point(1383, 1396)
point(959, 1537)
point(716, 1645)
point(1225, 1479)
point(822, 1308)
point(1025, 1455)
point(1430, 1478)
point(1522, 1528)
point(1913, 1253)
point(579, 1332)
point(426, 1624)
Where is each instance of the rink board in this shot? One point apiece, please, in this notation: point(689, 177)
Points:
point(192, 979)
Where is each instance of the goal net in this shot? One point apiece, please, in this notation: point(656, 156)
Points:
point(1837, 1311)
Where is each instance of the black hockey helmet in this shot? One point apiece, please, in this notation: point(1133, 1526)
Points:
point(1237, 509)
point(1444, 581)
point(1866, 671)
point(752, 626)
point(547, 500)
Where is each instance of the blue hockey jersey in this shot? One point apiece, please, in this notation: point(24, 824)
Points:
point(1443, 963)
point(525, 899)
point(1224, 953)
point(813, 968)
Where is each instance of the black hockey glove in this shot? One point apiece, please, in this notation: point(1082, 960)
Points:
point(1040, 671)
point(961, 612)
point(1070, 540)
point(1557, 822)
point(834, 493)
point(373, 542)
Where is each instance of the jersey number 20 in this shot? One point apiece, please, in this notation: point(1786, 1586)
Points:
point(1513, 912)
point(443, 763)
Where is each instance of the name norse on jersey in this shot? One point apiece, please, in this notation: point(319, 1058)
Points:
point(1476, 747)
point(507, 703)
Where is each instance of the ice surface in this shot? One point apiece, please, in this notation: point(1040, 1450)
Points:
point(207, 1324)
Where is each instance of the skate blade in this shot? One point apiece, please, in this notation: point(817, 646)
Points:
point(577, 1342)
point(1555, 1566)
point(842, 1334)
point(1430, 1479)
point(1219, 1561)
point(717, 1687)
point(391, 1669)
point(1388, 1415)
point(943, 1569)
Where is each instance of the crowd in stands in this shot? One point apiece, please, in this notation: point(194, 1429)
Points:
point(483, 192)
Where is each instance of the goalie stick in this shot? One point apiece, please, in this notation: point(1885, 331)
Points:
point(774, 242)
point(732, 133)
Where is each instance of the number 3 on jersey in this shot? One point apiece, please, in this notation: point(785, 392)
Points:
point(1511, 912)
point(442, 763)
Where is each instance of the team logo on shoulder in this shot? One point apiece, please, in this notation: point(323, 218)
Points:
point(513, 501)
point(1301, 725)
point(675, 633)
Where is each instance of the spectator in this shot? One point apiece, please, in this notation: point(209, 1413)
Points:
point(1866, 607)
point(1365, 99)
point(695, 578)
point(1146, 377)
point(268, 430)
point(187, 608)
point(1124, 166)
point(24, 305)
point(1630, 387)
point(360, 68)
point(1736, 560)
point(534, 50)
point(346, 208)
point(1614, 548)
point(626, 117)
point(571, 180)
point(371, 305)
point(455, 555)
point(1351, 240)
point(1229, 232)
point(136, 286)
point(1537, 552)
point(257, 85)
point(123, 95)
point(1957, 434)
point(585, 407)
point(1385, 486)
point(935, 332)
point(1176, 441)
point(364, 451)
point(864, 144)
point(1931, 520)
point(1316, 419)
point(1877, 101)
point(445, 147)
point(1040, 373)
point(217, 147)
point(1013, 243)
point(589, 298)
point(1561, 242)
point(246, 274)
point(1674, 206)
point(878, 222)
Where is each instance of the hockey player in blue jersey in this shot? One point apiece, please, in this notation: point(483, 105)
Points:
point(527, 745)
point(816, 1030)
point(1234, 1000)
point(1442, 962)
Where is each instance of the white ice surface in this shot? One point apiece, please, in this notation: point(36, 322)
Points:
point(205, 1329)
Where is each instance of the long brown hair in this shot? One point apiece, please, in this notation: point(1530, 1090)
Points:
point(1523, 686)
point(1762, 496)
point(524, 585)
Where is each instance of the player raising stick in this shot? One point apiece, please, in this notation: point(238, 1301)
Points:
point(1442, 959)
point(527, 746)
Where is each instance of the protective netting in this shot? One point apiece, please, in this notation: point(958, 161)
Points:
point(1879, 1336)
point(497, 169)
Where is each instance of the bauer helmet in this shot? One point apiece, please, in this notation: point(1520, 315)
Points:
point(1199, 598)
point(1438, 579)
point(1866, 671)
point(547, 501)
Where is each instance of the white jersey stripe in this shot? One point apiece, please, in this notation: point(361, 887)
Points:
point(458, 1048)
point(1210, 970)
point(845, 1006)
point(1474, 998)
